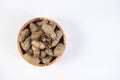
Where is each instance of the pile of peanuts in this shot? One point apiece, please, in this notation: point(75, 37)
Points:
point(41, 42)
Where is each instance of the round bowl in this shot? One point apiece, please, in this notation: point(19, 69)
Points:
point(26, 25)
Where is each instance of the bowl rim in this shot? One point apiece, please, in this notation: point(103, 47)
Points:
point(25, 25)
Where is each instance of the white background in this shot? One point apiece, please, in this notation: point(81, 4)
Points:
point(92, 29)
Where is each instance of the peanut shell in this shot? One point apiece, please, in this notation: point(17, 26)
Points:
point(30, 59)
point(59, 49)
point(26, 44)
point(47, 59)
point(59, 35)
point(49, 30)
point(25, 33)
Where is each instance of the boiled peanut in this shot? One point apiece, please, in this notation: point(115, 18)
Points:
point(59, 34)
point(36, 35)
point(49, 51)
point(53, 24)
point(26, 44)
point(59, 49)
point(30, 51)
point(25, 33)
point(36, 51)
point(47, 59)
point(42, 22)
point(33, 27)
point(30, 59)
point(42, 54)
point(37, 44)
point(49, 30)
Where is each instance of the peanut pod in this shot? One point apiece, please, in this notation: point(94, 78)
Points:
point(36, 35)
point(58, 37)
point(59, 49)
point(49, 30)
point(53, 24)
point(33, 27)
point(26, 44)
point(37, 44)
point(36, 51)
point(42, 22)
point(49, 51)
point(47, 59)
point(42, 54)
point(25, 33)
point(30, 51)
point(30, 59)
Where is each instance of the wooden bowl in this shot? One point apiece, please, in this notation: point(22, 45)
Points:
point(24, 26)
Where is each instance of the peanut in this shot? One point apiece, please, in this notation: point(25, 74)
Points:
point(26, 44)
point(36, 51)
point(30, 51)
point(42, 54)
point(25, 33)
point(30, 59)
point(49, 52)
point(37, 44)
point(47, 59)
point(59, 49)
point(42, 22)
point(59, 35)
point(33, 27)
point(36, 35)
point(41, 45)
point(53, 24)
point(49, 30)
